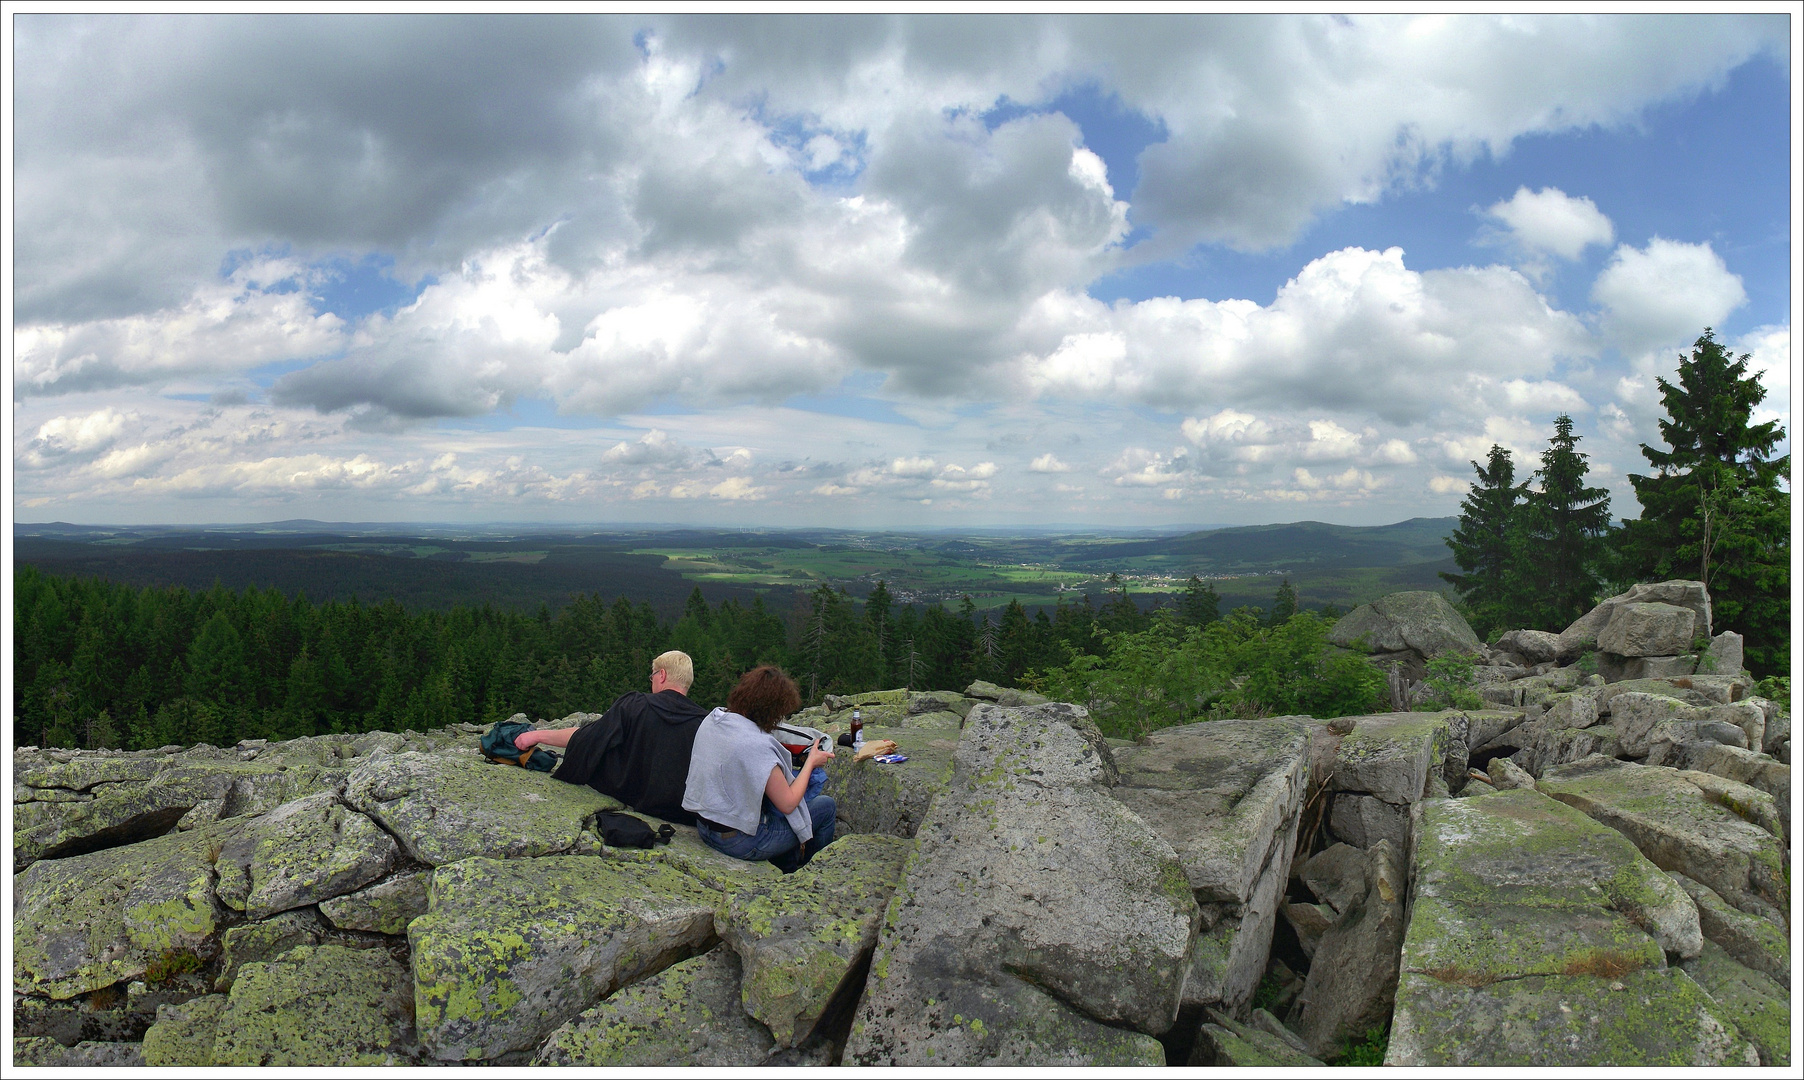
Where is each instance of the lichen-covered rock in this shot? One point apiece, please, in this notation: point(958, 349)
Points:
point(1635, 715)
point(872, 797)
point(1534, 646)
point(1677, 826)
point(1588, 628)
point(318, 1005)
point(1515, 884)
point(1506, 774)
point(1648, 629)
point(40, 1051)
point(934, 701)
point(686, 1015)
point(300, 853)
point(687, 853)
point(1754, 942)
point(1227, 1043)
point(1422, 622)
point(1352, 979)
point(1762, 772)
point(104, 798)
point(93, 920)
point(1039, 918)
point(1004, 696)
point(1645, 1018)
point(1547, 745)
point(511, 949)
point(383, 908)
point(183, 1034)
point(799, 941)
point(1220, 793)
point(265, 940)
point(449, 808)
point(1760, 1007)
point(1391, 755)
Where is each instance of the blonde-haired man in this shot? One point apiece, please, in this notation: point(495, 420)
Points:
point(638, 752)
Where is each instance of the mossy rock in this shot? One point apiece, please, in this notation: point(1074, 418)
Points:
point(686, 1015)
point(1678, 826)
point(1760, 1007)
point(1392, 755)
point(1571, 895)
point(447, 808)
point(183, 1034)
point(383, 908)
point(93, 920)
point(103, 799)
point(41, 1052)
point(300, 853)
point(1642, 1019)
point(799, 941)
point(265, 940)
point(318, 1005)
point(511, 949)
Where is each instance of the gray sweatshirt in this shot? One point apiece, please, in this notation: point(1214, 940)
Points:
point(728, 771)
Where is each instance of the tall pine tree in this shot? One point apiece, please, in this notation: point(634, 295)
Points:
point(1486, 546)
point(1714, 509)
point(1564, 527)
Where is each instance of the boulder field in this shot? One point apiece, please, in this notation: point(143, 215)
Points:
point(1590, 872)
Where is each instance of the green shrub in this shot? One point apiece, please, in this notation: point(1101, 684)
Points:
point(1366, 1051)
point(1450, 680)
point(172, 963)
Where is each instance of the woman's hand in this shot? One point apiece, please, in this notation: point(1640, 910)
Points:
point(786, 795)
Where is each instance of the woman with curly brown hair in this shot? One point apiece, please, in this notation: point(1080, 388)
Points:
point(749, 800)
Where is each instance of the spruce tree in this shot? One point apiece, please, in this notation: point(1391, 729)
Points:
point(1565, 524)
point(1714, 509)
point(1486, 546)
point(1284, 604)
point(1200, 604)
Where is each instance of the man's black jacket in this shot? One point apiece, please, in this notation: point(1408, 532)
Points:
point(638, 752)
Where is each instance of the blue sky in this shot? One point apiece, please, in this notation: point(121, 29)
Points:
point(877, 272)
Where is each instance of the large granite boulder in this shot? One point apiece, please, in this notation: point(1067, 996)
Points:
point(383, 908)
point(800, 942)
point(1539, 937)
point(1646, 629)
point(1760, 1007)
point(300, 853)
point(686, 1015)
point(1754, 942)
point(1386, 764)
point(1040, 921)
point(1420, 622)
point(1227, 796)
point(1675, 823)
point(90, 921)
point(1352, 981)
point(512, 949)
point(444, 809)
point(1588, 629)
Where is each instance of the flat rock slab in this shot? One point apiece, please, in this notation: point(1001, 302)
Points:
point(1514, 884)
point(687, 853)
point(799, 942)
point(686, 1015)
point(1039, 919)
point(871, 797)
point(1676, 825)
point(511, 949)
point(300, 853)
point(1220, 793)
point(1392, 755)
point(447, 808)
point(318, 1005)
point(1760, 1007)
point(1643, 1018)
point(104, 799)
point(93, 920)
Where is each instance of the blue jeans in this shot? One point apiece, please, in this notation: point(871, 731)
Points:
point(775, 841)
